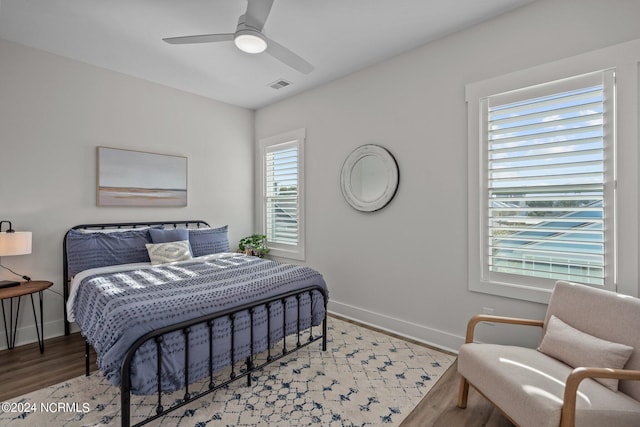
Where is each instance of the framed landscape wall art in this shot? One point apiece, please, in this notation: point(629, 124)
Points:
point(136, 178)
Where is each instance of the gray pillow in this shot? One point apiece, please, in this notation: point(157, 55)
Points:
point(578, 349)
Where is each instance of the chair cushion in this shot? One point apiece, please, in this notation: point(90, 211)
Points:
point(529, 386)
point(575, 348)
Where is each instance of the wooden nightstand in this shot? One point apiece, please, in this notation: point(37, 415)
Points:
point(25, 288)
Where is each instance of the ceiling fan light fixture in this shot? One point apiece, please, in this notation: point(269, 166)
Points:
point(250, 41)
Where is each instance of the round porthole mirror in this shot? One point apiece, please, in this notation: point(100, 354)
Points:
point(369, 178)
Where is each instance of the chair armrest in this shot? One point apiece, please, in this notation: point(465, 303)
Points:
point(568, 416)
point(497, 319)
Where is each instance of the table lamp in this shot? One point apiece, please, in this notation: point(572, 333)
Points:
point(13, 243)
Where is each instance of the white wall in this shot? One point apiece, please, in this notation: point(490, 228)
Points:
point(405, 268)
point(55, 111)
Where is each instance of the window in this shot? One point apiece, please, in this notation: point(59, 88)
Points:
point(283, 193)
point(547, 182)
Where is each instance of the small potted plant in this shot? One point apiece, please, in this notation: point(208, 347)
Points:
point(255, 245)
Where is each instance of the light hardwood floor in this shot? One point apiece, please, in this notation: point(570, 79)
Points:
point(438, 408)
point(24, 369)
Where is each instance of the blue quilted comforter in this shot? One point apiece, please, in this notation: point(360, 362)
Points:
point(114, 309)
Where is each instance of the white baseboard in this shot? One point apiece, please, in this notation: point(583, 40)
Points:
point(433, 337)
point(414, 331)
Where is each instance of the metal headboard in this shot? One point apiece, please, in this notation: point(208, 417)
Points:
point(114, 225)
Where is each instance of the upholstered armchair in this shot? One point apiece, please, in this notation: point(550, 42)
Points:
point(585, 372)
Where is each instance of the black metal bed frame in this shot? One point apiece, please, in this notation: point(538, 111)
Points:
point(208, 320)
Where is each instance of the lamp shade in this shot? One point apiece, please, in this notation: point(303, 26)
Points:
point(15, 243)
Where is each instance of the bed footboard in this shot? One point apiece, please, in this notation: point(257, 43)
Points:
point(303, 337)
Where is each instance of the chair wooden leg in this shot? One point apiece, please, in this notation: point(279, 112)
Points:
point(463, 394)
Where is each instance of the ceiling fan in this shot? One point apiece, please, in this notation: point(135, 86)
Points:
point(250, 38)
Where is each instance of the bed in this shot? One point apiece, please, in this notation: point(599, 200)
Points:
point(165, 305)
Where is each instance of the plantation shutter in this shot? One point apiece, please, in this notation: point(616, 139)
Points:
point(546, 183)
point(281, 192)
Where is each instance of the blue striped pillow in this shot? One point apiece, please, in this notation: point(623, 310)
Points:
point(206, 241)
point(92, 250)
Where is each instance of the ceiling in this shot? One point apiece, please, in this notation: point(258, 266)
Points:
point(337, 36)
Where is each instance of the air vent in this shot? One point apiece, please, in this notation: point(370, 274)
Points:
point(279, 84)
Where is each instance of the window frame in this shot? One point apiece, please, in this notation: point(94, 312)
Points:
point(295, 137)
point(521, 86)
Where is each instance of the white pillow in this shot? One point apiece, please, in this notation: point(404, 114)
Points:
point(161, 253)
point(578, 349)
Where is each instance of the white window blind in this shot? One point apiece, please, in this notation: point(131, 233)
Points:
point(281, 194)
point(546, 183)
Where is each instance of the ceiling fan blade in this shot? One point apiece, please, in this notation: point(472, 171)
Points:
point(289, 58)
point(203, 38)
point(257, 13)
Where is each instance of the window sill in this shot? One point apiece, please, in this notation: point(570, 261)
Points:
point(287, 254)
point(510, 290)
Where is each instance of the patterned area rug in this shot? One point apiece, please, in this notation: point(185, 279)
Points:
point(365, 378)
